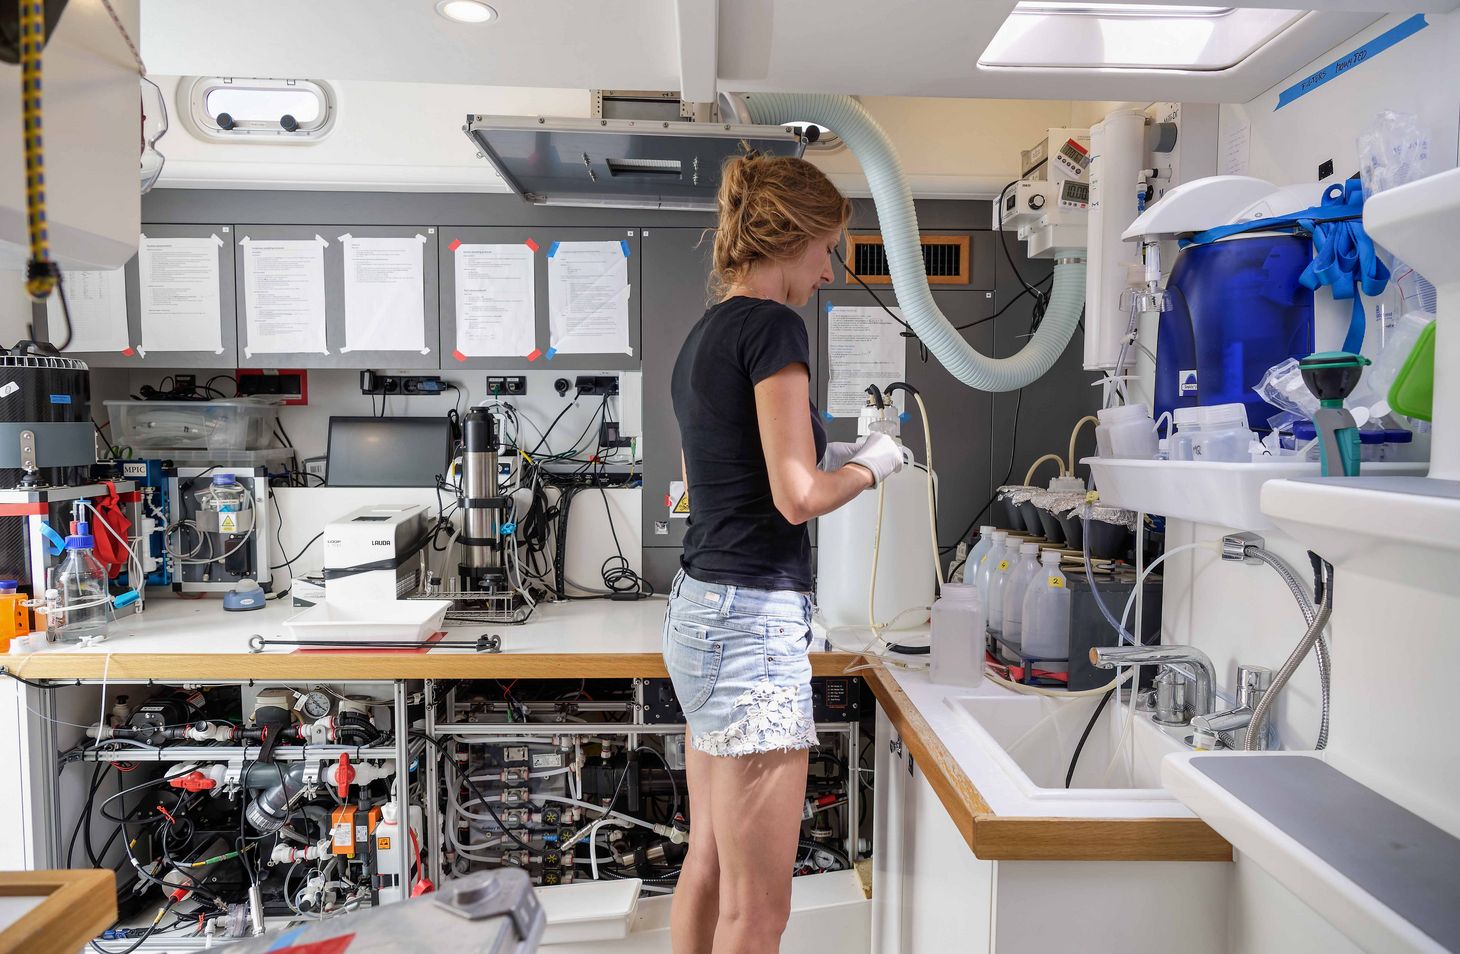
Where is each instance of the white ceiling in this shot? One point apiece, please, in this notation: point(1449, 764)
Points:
point(863, 47)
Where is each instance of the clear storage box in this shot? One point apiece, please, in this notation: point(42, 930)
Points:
point(232, 425)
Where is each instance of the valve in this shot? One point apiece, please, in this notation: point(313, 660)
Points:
point(344, 775)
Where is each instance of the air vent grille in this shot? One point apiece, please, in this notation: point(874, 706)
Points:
point(945, 257)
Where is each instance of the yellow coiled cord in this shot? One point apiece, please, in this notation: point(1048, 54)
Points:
point(41, 274)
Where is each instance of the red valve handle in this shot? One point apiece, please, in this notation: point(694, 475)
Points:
point(344, 775)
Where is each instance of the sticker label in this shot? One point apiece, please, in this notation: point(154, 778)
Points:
point(677, 500)
point(60, 398)
point(227, 523)
point(1057, 582)
point(1003, 565)
point(9, 388)
point(344, 835)
point(383, 843)
point(1185, 382)
point(134, 470)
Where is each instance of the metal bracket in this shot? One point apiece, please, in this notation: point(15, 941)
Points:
point(1234, 547)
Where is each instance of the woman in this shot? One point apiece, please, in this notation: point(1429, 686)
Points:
point(738, 626)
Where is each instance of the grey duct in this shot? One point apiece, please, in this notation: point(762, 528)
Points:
point(899, 223)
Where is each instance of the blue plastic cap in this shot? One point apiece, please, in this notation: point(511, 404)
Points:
point(80, 541)
point(1395, 435)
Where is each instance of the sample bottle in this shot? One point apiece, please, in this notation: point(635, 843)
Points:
point(80, 583)
point(987, 562)
point(975, 556)
point(1045, 633)
point(998, 582)
point(1019, 578)
point(957, 636)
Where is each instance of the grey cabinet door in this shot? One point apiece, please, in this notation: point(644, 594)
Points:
point(676, 271)
point(334, 297)
point(960, 418)
point(142, 353)
point(541, 239)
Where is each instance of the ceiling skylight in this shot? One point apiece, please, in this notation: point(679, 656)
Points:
point(1060, 35)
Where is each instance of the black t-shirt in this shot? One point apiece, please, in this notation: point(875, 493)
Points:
point(736, 535)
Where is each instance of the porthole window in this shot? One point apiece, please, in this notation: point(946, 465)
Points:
point(264, 110)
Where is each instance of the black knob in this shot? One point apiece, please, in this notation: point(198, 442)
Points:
point(1036, 201)
point(225, 121)
point(289, 123)
point(561, 385)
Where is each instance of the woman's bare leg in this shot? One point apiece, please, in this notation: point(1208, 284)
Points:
point(696, 905)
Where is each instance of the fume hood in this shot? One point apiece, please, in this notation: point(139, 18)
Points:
point(625, 163)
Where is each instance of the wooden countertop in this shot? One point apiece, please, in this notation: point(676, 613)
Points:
point(78, 905)
point(186, 639)
point(994, 837)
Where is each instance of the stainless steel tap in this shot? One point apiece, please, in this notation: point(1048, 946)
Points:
point(1182, 659)
point(1252, 684)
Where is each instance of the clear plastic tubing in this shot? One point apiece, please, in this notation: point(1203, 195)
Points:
point(1125, 637)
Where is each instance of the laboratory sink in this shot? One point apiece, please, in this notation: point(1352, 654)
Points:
point(1033, 738)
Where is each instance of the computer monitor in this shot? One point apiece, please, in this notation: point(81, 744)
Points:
point(387, 451)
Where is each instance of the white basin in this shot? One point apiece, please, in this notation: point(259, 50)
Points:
point(1032, 738)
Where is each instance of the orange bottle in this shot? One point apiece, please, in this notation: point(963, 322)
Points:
point(14, 617)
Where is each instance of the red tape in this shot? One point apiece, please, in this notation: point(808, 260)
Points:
point(531, 244)
point(455, 244)
point(458, 355)
point(534, 354)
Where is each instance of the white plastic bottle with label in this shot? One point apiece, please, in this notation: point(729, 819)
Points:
point(998, 582)
point(957, 637)
point(389, 842)
point(986, 564)
point(1019, 578)
point(1046, 625)
point(976, 555)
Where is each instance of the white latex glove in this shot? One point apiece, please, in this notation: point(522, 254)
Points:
point(838, 453)
point(880, 454)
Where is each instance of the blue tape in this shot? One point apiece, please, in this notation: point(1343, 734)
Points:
point(60, 399)
point(624, 244)
point(827, 416)
point(56, 542)
point(1345, 63)
point(904, 417)
point(829, 307)
point(285, 939)
point(550, 353)
point(553, 249)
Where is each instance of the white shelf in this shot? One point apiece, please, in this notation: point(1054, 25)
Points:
point(1218, 494)
point(1405, 529)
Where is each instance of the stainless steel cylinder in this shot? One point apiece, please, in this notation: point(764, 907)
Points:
point(481, 557)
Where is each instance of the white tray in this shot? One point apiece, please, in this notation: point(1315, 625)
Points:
point(589, 910)
point(1218, 494)
point(367, 620)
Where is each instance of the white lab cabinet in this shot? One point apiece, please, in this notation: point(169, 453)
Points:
point(932, 895)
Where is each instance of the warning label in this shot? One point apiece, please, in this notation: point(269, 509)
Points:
point(677, 500)
point(227, 522)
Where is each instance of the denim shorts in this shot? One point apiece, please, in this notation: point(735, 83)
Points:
point(737, 658)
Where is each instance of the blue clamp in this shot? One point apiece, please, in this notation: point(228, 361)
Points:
point(55, 543)
point(126, 599)
point(509, 527)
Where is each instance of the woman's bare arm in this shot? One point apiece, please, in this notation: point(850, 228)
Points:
point(799, 490)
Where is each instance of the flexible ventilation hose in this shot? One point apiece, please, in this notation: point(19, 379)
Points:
point(899, 222)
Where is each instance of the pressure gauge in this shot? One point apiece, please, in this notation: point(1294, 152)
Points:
point(315, 705)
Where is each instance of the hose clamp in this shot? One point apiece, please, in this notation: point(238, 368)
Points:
point(1070, 260)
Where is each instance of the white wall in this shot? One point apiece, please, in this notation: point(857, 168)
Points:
point(1421, 75)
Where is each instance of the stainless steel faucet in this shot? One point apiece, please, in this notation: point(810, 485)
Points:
point(1252, 684)
point(1182, 659)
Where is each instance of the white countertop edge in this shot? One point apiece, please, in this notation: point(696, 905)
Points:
point(1358, 914)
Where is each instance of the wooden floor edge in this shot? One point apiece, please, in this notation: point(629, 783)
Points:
point(994, 837)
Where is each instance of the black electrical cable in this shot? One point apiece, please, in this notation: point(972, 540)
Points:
point(151, 929)
point(667, 771)
point(1009, 472)
point(908, 332)
point(5, 671)
point(1007, 306)
point(288, 561)
point(1080, 746)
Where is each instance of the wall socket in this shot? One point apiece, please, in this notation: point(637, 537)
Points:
point(372, 383)
point(597, 385)
point(501, 385)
